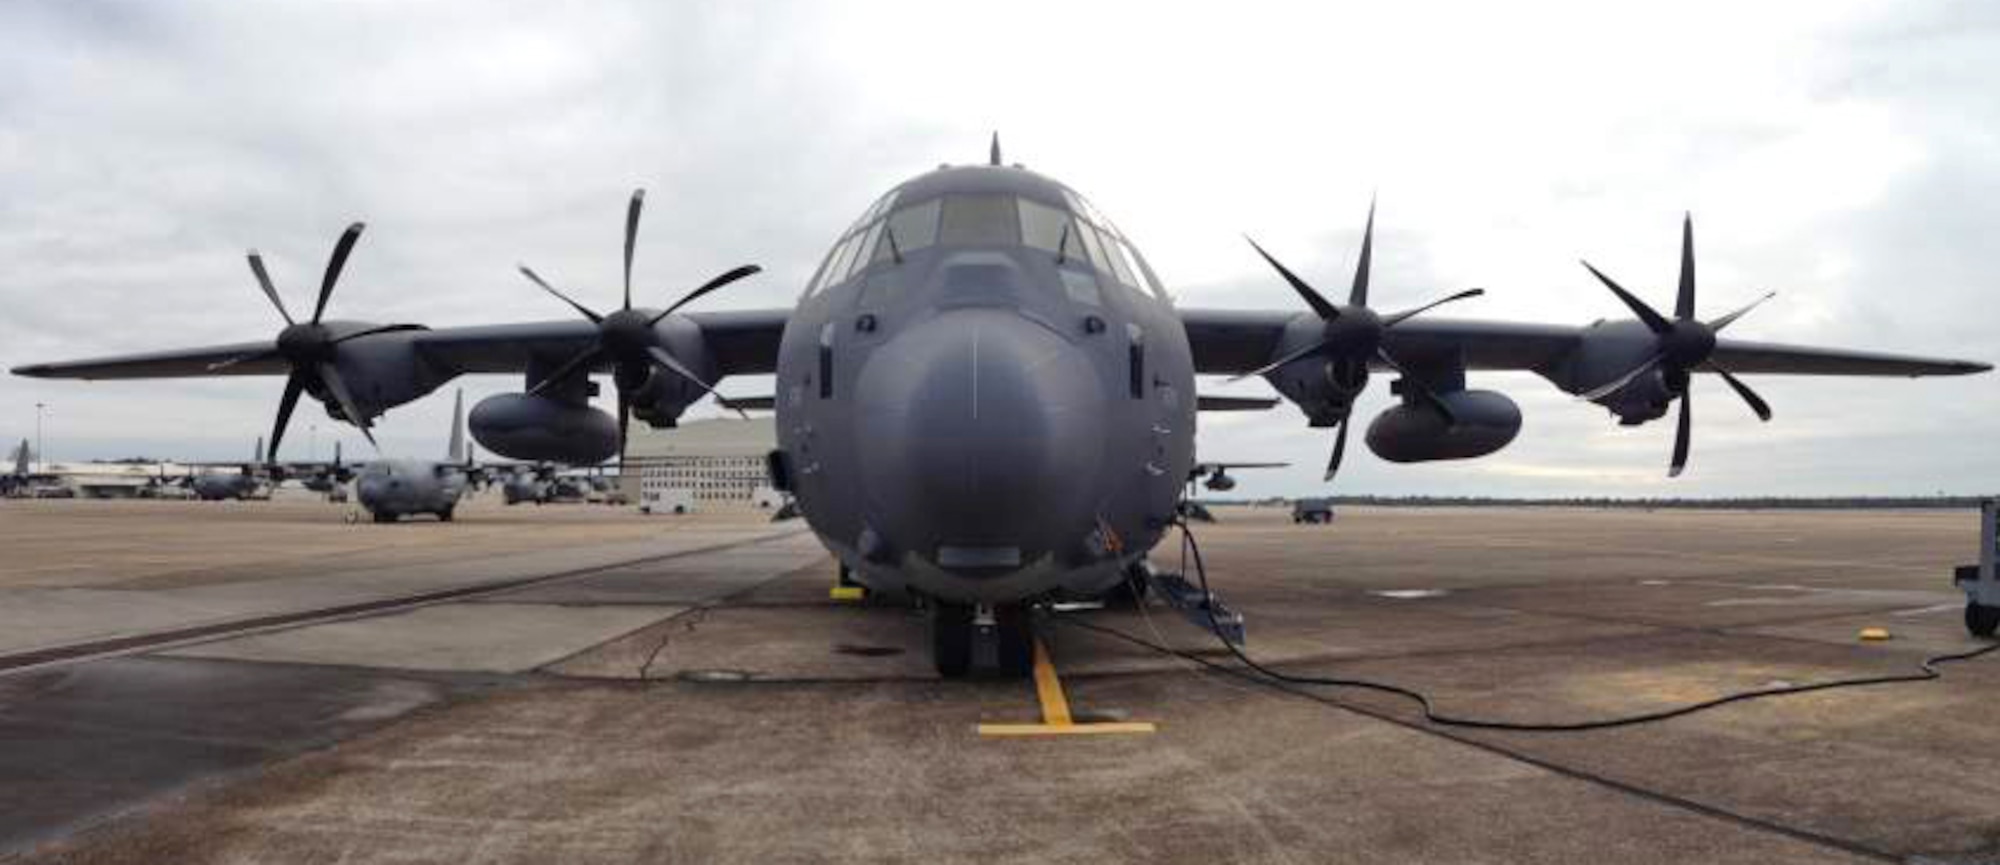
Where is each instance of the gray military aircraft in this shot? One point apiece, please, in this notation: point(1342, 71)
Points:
point(238, 481)
point(19, 478)
point(985, 396)
point(393, 489)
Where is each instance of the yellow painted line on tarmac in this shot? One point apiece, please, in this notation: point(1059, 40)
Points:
point(1056, 718)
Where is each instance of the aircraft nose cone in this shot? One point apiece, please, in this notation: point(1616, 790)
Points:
point(981, 433)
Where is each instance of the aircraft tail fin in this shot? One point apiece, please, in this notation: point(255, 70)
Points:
point(257, 456)
point(336, 453)
point(21, 459)
point(457, 453)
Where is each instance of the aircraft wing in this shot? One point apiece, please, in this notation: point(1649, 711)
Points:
point(738, 342)
point(179, 363)
point(1239, 341)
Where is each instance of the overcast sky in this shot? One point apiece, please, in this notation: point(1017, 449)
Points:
point(1842, 154)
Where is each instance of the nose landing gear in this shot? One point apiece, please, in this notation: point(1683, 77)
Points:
point(962, 635)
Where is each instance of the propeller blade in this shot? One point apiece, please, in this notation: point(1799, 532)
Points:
point(264, 282)
point(387, 328)
point(295, 384)
point(1681, 435)
point(1320, 305)
point(706, 287)
point(1757, 403)
point(1639, 308)
point(1684, 300)
point(1339, 448)
point(631, 237)
point(663, 358)
point(329, 375)
point(1423, 390)
point(532, 277)
point(1720, 323)
point(1399, 318)
point(266, 354)
point(582, 360)
point(1288, 357)
point(1359, 295)
point(333, 266)
point(624, 420)
point(1604, 390)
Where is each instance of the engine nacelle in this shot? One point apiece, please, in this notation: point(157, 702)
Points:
point(1322, 388)
point(1406, 433)
point(539, 429)
point(1220, 482)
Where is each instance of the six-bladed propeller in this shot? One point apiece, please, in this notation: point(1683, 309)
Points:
point(626, 336)
point(310, 348)
point(1683, 345)
point(1353, 334)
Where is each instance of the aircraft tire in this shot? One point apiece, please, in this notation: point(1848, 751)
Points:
point(1982, 621)
point(445, 515)
point(385, 518)
point(951, 639)
point(1015, 636)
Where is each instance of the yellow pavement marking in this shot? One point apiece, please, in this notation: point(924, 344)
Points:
point(1056, 719)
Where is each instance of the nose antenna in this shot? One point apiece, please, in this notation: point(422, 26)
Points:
point(993, 152)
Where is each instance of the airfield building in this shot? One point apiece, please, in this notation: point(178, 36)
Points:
point(701, 464)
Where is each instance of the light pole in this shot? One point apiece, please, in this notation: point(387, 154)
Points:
point(40, 455)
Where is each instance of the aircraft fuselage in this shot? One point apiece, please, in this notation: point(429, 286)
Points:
point(984, 396)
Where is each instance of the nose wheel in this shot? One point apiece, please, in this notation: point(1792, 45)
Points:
point(962, 633)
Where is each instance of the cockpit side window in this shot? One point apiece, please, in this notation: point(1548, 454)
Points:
point(1042, 227)
point(1094, 248)
point(914, 228)
point(1114, 250)
point(979, 219)
point(863, 248)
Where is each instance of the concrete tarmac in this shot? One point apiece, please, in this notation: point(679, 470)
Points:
point(716, 706)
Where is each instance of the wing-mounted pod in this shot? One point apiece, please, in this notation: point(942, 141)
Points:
point(543, 429)
point(1437, 418)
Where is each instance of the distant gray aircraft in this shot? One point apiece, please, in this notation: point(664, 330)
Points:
point(527, 484)
point(395, 488)
point(239, 481)
point(324, 478)
point(985, 397)
point(16, 479)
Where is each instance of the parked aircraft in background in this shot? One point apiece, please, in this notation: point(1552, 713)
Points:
point(394, 488)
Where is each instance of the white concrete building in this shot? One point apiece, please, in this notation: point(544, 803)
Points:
point(701, 464)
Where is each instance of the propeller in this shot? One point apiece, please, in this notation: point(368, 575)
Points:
point(1353, 334)
point(1683, 344)
point(626, 336)
point(311, 348)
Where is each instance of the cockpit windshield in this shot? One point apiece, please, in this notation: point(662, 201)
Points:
point(1080, 238)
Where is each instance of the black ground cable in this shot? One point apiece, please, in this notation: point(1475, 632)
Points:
point(1927, 671)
